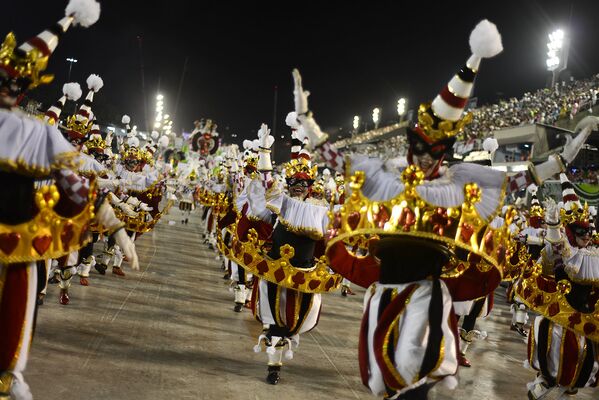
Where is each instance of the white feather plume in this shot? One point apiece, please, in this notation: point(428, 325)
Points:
point(326, 172)
point(94, 82)
point(133, 142)
point(485, 40)
point(490, 145)
point(247, 144)
point(126, 119)
point(84, 12)
point(155, 135)
point(255, 145)
point(72, 90)
point(269, 141)
point(291, 120)
point(163, 141)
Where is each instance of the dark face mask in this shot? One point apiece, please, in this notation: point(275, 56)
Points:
point(299, 182)
point(581, 231)
point(436, 150)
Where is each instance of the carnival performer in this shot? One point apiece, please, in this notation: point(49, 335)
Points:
point(565, 357)
point(286, 313)
point(408, 340)
point(32, 150)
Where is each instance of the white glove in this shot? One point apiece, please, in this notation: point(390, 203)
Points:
point(266, 142)
point(315, 135)
point(300, 96)
point(133, 201)
point(551, 211)
point(126, 209)
point(145, 207)
point(573, 146)
point(128, 247)
point(109, 184)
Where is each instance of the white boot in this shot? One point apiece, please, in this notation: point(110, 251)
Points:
point(538, 389)
point(239, 297)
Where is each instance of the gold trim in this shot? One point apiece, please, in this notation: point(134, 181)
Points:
point(47, 228)
point(547, 303)
point(409, 215)
point(317, 279)
point(388, 362)
point(64, 160)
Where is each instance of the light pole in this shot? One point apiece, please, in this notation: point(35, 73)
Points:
point(376, 114)
point(557, 54)
point(401, 108)
point(71, 61)
point(356, 125)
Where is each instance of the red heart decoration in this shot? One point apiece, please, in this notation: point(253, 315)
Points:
point(9, 242)
point(66, 235)
point(41, 244)
point(314, 283)
point(353, 220)
point(467, 231)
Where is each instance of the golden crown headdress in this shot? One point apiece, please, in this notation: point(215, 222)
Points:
point(133, 153)
point(300, 166)
point(437, 128)
point(95, 143)
point(28, 65)
point(80, 125)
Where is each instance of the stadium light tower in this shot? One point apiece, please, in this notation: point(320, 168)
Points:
point(356, 124)
point(376, 114)
point(557, 54)
point(401, 108)
point(71, 61)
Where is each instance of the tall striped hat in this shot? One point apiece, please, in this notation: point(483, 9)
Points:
point(80, 124)
point(71, 91)
point(30, 59)
point(442, 118)
point(572, 211)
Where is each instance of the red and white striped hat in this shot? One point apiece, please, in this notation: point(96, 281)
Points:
point(442, 118)
point(80, 124)
point(572, 212)
point(71, 91)
point(31, 58)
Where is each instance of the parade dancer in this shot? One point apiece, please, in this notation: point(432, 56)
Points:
point(566, 357)
point(32, 150)
point(392, 367)
point(296, 223)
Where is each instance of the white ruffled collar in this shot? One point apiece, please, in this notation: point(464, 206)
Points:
point(300, 216)
point(30, 147)
point(582, 265)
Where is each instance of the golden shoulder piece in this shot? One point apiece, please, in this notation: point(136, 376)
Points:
point(48, 235)
point(300, 165)
point(469, 237)
point(543, 295)
point(252, 256)
point(436, 128)
point(574, 214)
point(24, 65)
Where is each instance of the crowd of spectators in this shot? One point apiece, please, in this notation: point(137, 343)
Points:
point(587, 175)
point(545, 106)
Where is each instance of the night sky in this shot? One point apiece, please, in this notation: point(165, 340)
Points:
point(353, 55)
